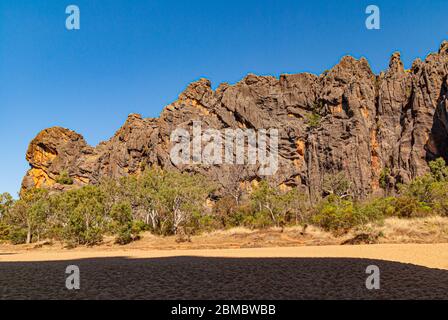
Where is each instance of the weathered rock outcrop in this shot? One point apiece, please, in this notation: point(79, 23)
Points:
point(347, 119)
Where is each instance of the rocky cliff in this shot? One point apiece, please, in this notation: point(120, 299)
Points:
point(345, 120)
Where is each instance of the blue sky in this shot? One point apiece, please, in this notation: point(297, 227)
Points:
point(137, 56)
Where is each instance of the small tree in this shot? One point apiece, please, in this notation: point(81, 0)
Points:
point(183, 197)
point(439, 170)
point(85, 220)
point(149, 186)
point(225, 211)
point(6, 204)
point(419, 189)
point(281, 206)
point(385, 180)
point(338, 185)
point(121, 215)
point(28, 215)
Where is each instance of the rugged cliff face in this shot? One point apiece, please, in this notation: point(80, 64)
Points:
point(346, 120)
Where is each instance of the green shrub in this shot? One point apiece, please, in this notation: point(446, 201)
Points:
point(64, 178)
point(258, 220)
point(439, 170)
point(313, 120)
point(122, 223)
point(384, 179)
point(409, 207)
point(236, 218)
point(339, 216)
point(206, 223)
point(18, 236)
point(440, 198)
point(376, 209)
point(425, 195)
point(4, 230)
point(334, 215)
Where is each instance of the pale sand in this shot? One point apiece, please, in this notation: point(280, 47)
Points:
point(426, 255)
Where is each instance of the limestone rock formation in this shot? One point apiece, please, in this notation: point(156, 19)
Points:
point(345, 120)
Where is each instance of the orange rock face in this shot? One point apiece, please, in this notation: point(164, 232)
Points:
point(367, 122)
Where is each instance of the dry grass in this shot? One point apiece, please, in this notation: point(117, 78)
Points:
point(427, 230)
point(418, 230)
point(229, 232)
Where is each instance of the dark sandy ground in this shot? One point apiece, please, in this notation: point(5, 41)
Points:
point(191, 277)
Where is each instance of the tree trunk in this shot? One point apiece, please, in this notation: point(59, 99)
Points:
point(28, 235)
point(147, 218)
point(272, 215)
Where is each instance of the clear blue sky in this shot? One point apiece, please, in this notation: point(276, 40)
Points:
point(137, 56)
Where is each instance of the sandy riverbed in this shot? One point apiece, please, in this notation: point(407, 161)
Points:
point(413, 271)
